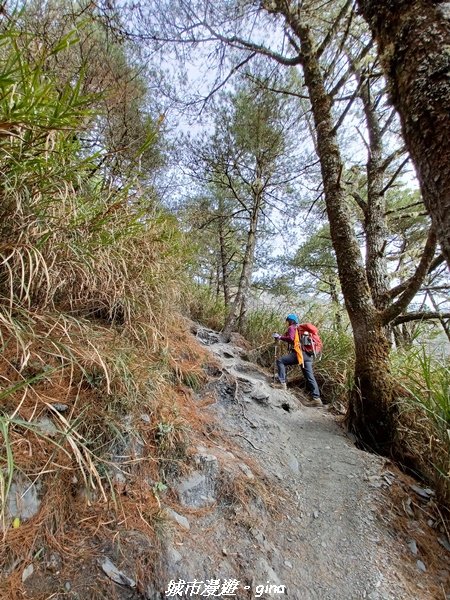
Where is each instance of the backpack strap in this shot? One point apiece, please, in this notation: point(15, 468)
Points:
point(297, 347)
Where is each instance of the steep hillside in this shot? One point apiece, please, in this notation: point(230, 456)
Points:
point(267, 498)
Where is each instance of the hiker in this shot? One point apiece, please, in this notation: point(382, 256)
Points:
point(296, 356)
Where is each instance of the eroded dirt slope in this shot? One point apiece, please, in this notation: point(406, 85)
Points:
point(318, 528)
point(277, 502)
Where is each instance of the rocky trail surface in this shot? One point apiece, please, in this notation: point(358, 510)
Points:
point(276, 502)
point(293, 508)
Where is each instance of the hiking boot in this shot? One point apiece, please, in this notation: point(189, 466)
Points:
point(314, 402)
point(279, 385)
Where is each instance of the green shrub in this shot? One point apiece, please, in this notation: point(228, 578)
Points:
point(424, 418)
point(205, 307)
point(260, 324)
point(335, 368)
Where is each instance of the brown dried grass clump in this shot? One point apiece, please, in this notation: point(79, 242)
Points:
point(244, 488)
point(89, 281)
point(77, 531)
point(423, 449)
point(241, 494)
point(128, 428)
point(421, 520)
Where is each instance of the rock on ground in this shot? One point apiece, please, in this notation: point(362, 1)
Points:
point(309, 524)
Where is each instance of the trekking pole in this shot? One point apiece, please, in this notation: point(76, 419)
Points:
point(275, 356)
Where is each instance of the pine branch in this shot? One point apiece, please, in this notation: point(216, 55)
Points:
point(420, 316)
point(435, 263)
point(415, 281)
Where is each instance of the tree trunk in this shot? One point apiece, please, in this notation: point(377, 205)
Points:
point(414, 38)
point(217, 278)
point(242, 314)
point(246, 273)
point(223, 261)
point(370, 413)
point(375, 210)
point(371, 409)
point(211, 277)
point(336, 304)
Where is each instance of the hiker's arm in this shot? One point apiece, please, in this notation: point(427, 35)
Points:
point(289, 336)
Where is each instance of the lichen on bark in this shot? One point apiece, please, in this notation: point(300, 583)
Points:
point(414, 44)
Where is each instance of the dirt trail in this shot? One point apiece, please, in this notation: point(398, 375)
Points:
point(327, 539)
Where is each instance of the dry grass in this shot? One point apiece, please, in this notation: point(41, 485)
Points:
point(246, 497)
point(421, 521)
point(102, 432)
point(424, 450)
point(77, 532)
point(89, 283)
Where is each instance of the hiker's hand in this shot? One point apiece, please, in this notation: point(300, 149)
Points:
point(276, 336)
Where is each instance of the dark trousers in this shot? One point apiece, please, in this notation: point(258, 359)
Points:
point(307, 369)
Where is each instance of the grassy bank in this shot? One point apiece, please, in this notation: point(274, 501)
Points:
point(96, 370)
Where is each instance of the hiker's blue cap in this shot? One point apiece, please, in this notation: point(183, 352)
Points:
point(292, 318)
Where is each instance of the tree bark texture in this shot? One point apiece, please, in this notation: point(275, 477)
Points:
point(375, 210)
point(336, 304)
point(371, 407)
point(240, 299)
point(414, 44)
point(224, 264)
